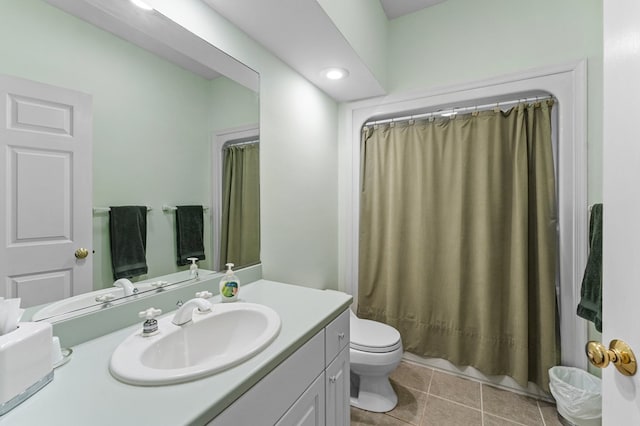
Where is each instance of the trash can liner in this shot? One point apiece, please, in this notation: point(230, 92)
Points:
point(576, 391)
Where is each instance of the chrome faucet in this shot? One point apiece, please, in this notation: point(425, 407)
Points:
point(184, 314)
point(126, 285)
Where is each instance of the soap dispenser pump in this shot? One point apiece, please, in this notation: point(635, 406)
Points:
point(229, 285)
point(193, 269)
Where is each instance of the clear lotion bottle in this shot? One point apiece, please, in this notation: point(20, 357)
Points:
point(229, 285)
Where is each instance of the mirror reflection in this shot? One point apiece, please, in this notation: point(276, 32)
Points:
point(155, 134)
point(240, 205)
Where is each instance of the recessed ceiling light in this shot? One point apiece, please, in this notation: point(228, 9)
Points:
point(141, 4)
point(335, 73)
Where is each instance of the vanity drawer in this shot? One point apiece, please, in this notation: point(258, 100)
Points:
point(336, 336)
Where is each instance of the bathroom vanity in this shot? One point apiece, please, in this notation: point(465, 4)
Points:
point(302, 377)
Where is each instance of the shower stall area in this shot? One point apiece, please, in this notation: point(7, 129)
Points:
point(468, 217)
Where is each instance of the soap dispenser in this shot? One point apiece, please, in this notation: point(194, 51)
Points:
point(229, 285)
point(193, 269)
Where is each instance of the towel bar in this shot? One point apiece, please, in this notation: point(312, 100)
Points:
point(166, 208)
point(106, 209)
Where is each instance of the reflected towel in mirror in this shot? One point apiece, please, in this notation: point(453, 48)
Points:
point(128, 237)
point(189, 233)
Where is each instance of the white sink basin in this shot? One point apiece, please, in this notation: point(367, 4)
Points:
point(227, 336)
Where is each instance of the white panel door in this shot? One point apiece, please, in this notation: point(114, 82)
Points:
point(621, 198)
point(46, 190)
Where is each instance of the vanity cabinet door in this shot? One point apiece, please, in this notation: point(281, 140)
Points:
point(337, 390)
point(309, 409)
point(265, 402)
point(301, 387)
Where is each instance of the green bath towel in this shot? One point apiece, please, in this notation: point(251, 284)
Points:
point(590, 306)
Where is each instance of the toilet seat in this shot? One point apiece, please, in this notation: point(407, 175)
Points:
point(372, 336)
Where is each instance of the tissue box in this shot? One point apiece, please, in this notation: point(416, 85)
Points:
point(25, 362)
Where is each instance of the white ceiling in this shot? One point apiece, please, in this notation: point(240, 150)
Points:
point(396, 8)
point(302, 35)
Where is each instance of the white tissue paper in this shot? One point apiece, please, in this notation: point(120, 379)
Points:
point(10, 314)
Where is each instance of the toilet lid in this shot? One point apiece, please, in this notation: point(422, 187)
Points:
point(372, 336)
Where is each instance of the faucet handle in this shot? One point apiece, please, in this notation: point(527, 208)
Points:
point(105, 298)
point(150, 326)
point(204, 294)
point(150, 313)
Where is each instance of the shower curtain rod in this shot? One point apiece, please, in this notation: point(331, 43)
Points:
point(448, 112)
point(231, 143)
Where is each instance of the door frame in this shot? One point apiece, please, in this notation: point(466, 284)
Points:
point(568, 84)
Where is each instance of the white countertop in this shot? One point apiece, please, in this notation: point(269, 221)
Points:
point(83, 392)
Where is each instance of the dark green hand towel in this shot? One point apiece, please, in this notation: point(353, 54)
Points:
point(189, 233)
point(128, 237)
point(590, 306)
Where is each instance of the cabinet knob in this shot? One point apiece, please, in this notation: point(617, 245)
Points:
point(340, 336)
point(332, 379)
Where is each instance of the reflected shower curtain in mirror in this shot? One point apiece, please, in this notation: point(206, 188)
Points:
point(240, 223)
point(458, 238)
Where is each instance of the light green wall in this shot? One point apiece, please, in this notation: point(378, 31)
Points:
point(461, 41)
point(364, 24)
point(153, 120)
point(299, 179)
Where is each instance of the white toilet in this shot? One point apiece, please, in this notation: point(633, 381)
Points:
point(375, 351)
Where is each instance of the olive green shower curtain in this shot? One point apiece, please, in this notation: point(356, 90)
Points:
point(458, 238)
point(240, 222)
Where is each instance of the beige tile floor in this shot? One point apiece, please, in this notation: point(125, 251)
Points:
point(428, 397)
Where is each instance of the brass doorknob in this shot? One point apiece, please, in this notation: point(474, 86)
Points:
point(619, 353)
point(81, 253)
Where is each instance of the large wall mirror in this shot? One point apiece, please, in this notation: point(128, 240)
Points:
point(157, 113)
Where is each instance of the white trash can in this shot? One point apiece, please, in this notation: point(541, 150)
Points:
point(578, 396)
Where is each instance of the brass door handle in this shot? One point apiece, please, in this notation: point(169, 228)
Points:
point(619, 353)
point(81, 253)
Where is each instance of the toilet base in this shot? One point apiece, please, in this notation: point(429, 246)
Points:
point(373, 393)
